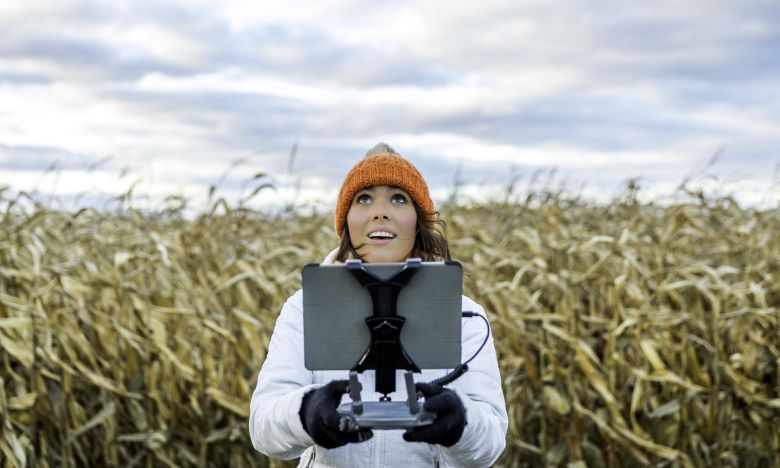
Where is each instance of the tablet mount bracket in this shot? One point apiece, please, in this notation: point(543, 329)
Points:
point(385, 353)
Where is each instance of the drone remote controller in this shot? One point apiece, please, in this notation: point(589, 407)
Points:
point(383, 414)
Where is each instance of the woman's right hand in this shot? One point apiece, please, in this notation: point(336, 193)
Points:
point(321, 419)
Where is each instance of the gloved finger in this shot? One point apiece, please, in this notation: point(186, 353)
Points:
point(426, 433)
point(442, 402)
point(414, 435)
point(335, 389)
point(359, 436)
point(332, 419)
point(348, 424)
point(428, 389)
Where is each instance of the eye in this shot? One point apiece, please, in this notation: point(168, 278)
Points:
point(399, 198)
point(363, 198)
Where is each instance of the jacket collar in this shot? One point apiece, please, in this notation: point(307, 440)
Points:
point(331, 258)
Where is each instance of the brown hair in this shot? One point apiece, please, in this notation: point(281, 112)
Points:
point(430, 240)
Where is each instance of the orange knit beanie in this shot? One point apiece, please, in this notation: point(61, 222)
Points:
point(383, 166)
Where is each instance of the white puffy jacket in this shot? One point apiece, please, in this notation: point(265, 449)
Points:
point(276, 430)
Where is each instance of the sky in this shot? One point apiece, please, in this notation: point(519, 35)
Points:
point(171, 98)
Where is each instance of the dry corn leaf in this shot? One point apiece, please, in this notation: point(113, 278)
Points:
point(649, 349)
point(22, 402)
point(21, 351)
point(554, 400)
point(108, 411)
point(15, 322)
point(74, 287)
point(239, 407)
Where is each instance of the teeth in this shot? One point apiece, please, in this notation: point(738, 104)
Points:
point(381, 234)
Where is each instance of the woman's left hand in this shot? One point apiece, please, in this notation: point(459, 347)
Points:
point(450, 420)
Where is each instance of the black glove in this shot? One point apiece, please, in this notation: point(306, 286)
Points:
point(323, 423)
point(450, 420)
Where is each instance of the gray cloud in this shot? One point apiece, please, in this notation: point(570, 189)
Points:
point(40, 158)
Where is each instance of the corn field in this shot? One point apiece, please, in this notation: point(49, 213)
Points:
point(628, 334)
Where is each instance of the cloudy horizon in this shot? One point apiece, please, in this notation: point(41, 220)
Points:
point(172, 97)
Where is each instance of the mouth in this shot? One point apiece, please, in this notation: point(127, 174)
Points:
point(381, 236)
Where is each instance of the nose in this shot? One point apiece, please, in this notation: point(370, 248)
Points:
point(380, 210)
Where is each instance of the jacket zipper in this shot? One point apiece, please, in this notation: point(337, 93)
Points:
point(311, 459)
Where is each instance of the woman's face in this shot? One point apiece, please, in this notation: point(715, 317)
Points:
point(382, 224)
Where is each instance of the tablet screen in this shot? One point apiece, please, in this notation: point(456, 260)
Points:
point(335, 306)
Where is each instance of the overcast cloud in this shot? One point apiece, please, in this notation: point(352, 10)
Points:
point(176, 96)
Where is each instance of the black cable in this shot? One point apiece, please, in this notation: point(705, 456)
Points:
point(462, 368)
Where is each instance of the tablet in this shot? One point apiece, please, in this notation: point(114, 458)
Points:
point(335, 306)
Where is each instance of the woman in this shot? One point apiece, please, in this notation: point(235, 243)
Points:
point(384, 214)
